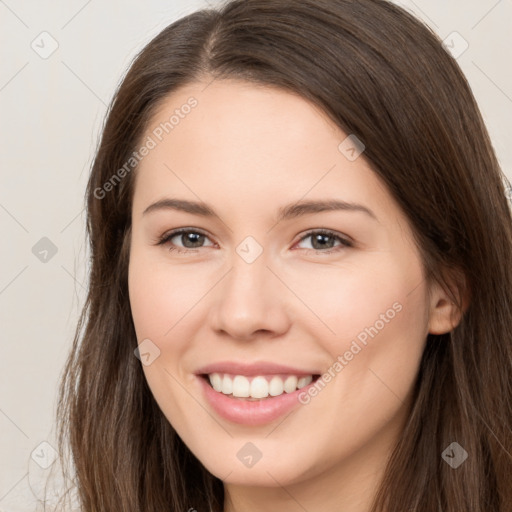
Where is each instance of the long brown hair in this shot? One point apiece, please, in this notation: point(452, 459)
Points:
point(382, 75)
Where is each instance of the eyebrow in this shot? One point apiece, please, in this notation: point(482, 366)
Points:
point(287, 212)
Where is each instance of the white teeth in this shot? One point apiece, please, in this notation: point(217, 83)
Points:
point(216, 381)
point(227, 385)
point(290, 384)
point(304, 381)
point(259, 387)
point(241, 386)
point(276, 387)
point(256, 387)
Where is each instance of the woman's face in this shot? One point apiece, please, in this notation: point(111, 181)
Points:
point(254, 290)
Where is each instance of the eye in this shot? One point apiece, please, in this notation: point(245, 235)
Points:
point(323, 240)
point(190, 238)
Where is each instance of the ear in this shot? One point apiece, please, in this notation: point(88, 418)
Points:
point(447, 304)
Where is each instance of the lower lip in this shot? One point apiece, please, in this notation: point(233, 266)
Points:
point(253, 413)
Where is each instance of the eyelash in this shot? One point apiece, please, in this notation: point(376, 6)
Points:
point(344, 242)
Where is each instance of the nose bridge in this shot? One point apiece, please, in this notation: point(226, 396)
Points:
point(247, 301)
point(249, 273)
point(246, 290)
point(246, 279)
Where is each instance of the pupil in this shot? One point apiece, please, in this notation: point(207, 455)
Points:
point(195, 238)
point(320, 238)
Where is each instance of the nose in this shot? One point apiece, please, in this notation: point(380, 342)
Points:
point(250, 302)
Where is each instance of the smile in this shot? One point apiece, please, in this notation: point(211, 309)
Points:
point(265, 398)
point(257, 387)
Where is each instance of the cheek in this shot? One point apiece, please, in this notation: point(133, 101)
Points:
point(168, 307)
point(373, 323)
point(380, 321)
point(161, 295)
point(360, 295)
point(162, 302)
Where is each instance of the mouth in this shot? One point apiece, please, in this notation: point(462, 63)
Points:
point(257, 387)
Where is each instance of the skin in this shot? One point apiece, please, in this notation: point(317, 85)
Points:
point(248, 150)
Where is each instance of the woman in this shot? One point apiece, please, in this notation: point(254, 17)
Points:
point(299, 227)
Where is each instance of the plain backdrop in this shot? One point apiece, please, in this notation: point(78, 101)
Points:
point(60, 64)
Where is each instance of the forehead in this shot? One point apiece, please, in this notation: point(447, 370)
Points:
point(249, 145)
point(243, 121)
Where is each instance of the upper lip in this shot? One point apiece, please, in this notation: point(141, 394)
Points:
point(252, 369)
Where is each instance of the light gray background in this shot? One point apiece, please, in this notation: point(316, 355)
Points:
point(51, 111)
